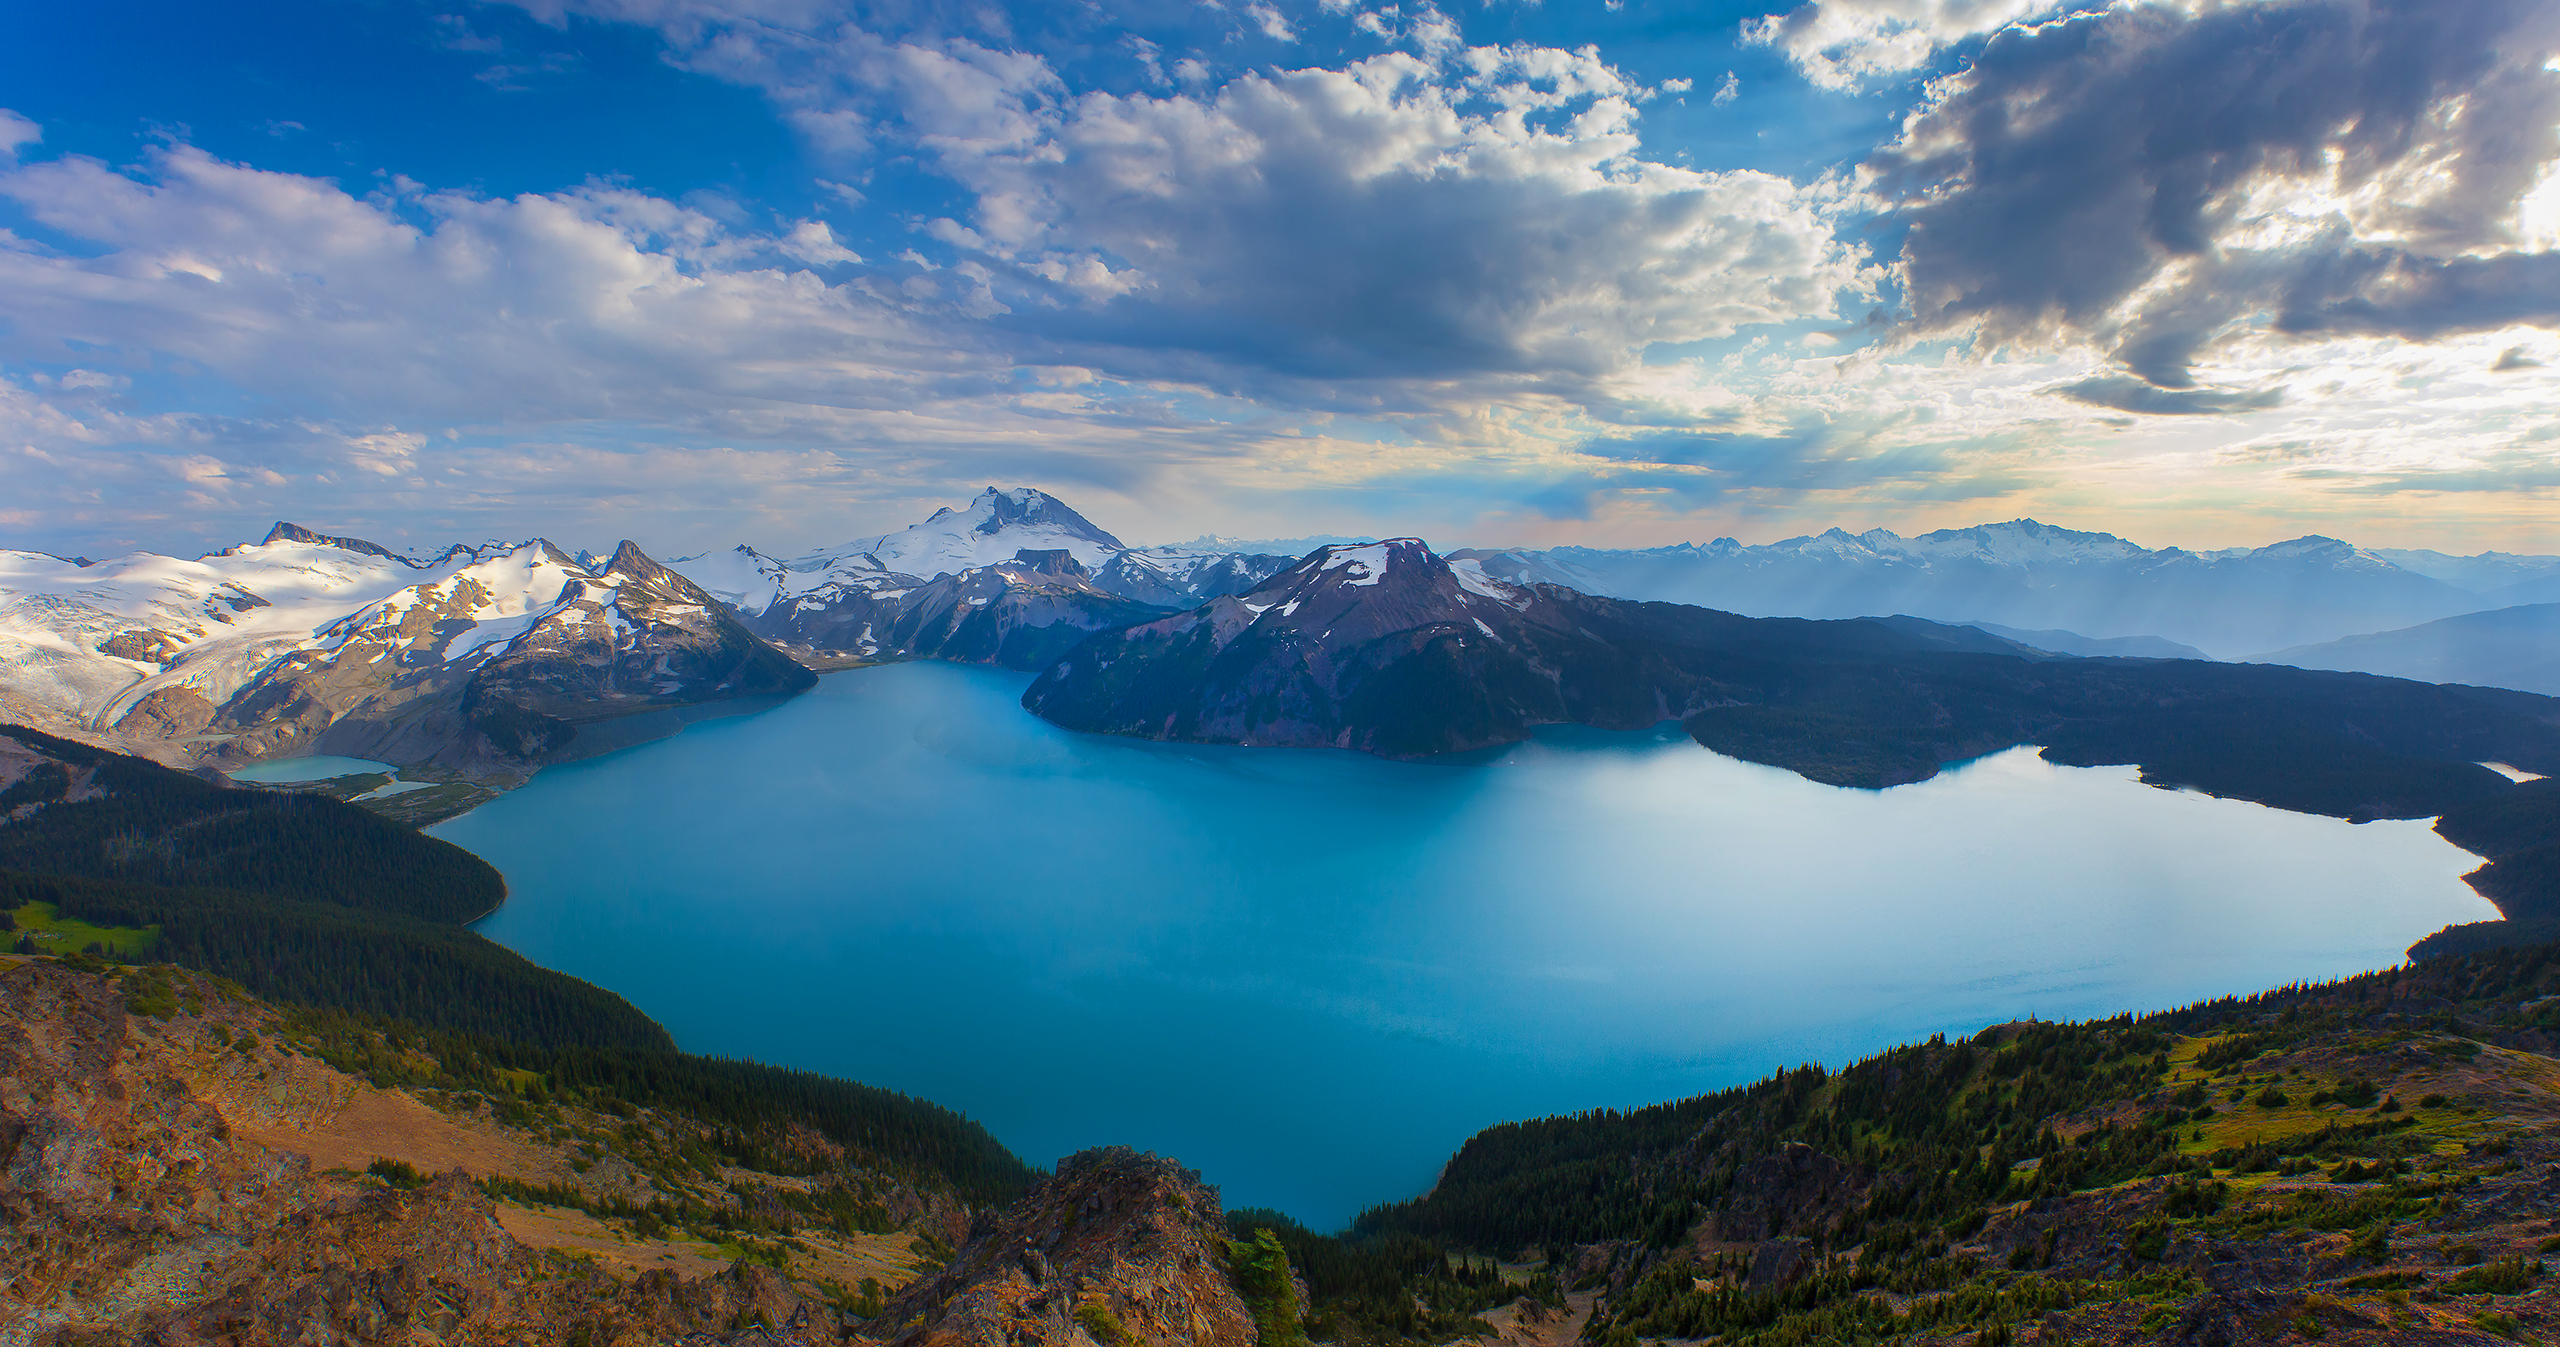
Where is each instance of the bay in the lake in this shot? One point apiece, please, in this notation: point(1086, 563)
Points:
point(1312, 974)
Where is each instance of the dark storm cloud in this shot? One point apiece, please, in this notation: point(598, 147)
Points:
point(2127, 394)
point(2059, 176)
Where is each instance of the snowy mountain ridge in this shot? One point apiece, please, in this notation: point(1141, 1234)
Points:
point(305, 642)
point(992, 529)
point(86, 641)
point(208, 659)
point(2035, 576)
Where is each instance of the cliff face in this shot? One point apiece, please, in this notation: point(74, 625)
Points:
point(1118, 1250)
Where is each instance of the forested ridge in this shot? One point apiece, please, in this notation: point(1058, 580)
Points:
point(2519, 832)
point(313, 903)
point(147, 824)
point(322, 954)
point(2327, 1150)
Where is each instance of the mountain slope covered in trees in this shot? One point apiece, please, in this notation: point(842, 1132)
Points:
point(1392, 649)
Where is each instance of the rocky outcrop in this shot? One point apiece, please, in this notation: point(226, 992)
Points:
point(285, 532)
point(137, 1214)
point(1118, 1249)
point(174, 712)
point(1794, 1191)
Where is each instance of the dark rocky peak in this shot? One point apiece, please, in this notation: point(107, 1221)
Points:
point(461, 550)
point(295, 533)
point(1050, 561)
point(1359, 564)
point(1342, 571)
point(643, 579)
point(629, 561)
point(1118, 1248)
point(1356, 591)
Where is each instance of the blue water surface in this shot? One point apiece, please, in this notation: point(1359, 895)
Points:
point(1312, 974)
point(317, 767)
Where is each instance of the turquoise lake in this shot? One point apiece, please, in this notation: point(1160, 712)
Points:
point(1312, 974)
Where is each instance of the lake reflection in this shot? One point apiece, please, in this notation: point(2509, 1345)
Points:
point(1312, 974)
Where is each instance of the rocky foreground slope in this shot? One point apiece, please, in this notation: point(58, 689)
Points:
point(181, 1164)
point(2375, 1161)
point(158, 1182)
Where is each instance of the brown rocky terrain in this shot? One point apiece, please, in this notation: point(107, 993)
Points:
point(1118, 1249)
point(179, 1165)
point(175, 1169)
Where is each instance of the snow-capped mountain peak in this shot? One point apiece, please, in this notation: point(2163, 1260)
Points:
point(2024, 542)
point(991, 528)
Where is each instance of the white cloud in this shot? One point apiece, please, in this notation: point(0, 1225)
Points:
point(1411, 230)
point(15, 132)
point(1410, 290)
point(583, 304)
point(1840, 44)
point(1272, 24)
point(1396, 219)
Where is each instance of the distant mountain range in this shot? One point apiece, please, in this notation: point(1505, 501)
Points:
point(485, 661)
point(2033, 576)
point(2515, 647)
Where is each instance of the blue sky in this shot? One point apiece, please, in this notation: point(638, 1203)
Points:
point(785, 271)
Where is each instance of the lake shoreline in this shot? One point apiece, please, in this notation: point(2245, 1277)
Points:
point(1336, 967)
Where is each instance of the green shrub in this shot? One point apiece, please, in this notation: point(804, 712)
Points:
point(1259, 1267)
point(2147, 1241)
point(2187, 1197)
point(2271, 1097)
point(1098, 1320)
point(2374, 1244)
point(2504, 1277)
point(397, 1173)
